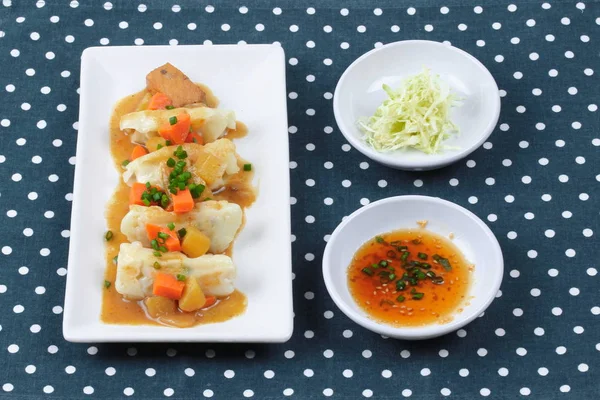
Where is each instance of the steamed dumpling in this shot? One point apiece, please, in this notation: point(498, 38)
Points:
point(219, 220)
point(135, 271)
point(153, 167)
point(211, 122)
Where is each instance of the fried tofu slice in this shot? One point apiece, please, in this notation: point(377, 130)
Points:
point(175, 84)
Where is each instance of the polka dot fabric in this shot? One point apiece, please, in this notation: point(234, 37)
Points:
point(536, 182)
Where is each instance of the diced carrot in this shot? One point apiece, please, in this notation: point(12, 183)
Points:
point(178, 132)
point(137, 152)
point(165, 131)
point(159, 102)
point(167, 286)
point(135, 195)
point(194, 137)
point(183, 201)
point(210, 301)
point(171, 242)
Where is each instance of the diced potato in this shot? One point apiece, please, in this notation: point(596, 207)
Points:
point(192, 298)
point(195, 243)
point(153, 142)
point(209, 167)
point(159, 306)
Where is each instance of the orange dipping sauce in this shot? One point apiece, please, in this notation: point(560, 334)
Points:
point(409, 278)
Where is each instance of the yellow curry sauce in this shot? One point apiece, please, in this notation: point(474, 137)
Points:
point(409, 278)
point(238, 189)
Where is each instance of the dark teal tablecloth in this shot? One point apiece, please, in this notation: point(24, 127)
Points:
point(536, 183)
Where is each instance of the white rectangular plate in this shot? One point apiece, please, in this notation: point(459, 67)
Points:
point(248, 79)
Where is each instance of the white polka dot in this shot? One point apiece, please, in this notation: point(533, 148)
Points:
point(535, 292)
point(57, 309)
point(425, 372)
point(445, 392)
point(443, 353)
point(23, 270)
point(429, 27)
point(346, 183)
point(556, 108)
point(565, 388)
point(327, 392)
point(368, 354)
point(13, 348)
point(48, 389)
point(128, 391)
point(539, 331)
point(208, 393)
point(35, 328)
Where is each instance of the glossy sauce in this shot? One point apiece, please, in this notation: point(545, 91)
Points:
point(379, 299)
point(238, 189)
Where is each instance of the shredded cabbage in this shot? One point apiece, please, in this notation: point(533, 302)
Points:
point(416, 115)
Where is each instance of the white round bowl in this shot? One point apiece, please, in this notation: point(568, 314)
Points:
point(359, 92)
point(476, 241)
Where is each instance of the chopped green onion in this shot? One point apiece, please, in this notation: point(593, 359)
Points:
point(157, 254)
point(391, 277)
point(418, 296)
point(368, 271)
point(182, 232)
point(400, 285)
point(425, 265)
point(163, 235)
point(430, 274)
point(379, 239)
point(412, 281)
point(181, 277)
point(168, 142)
point(154, 244)
point(207, 199)
point(170, 162)
point(125, 163)
point(400, 299)
point(443, 262)
point(108, 236)
point(173, 120)
point(171, 226)
point(405, 256)
point(163, 249)
point(181, 185)
point(156, 196)
point(247, 167)
point(438, 280)
point(106, 284)
point(156, 265)
point(374, 265)
point(146, 202)
point(173, 190)
point(116, 259)
point(169, 107)
point(422, 256)
point(420, 275)
point(413, 291)
point(383, 263)
point(159, 146)
point(164, 201)
point(148, 185)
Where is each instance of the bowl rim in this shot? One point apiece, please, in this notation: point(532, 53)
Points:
point(419, 332)
point(400, 162)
